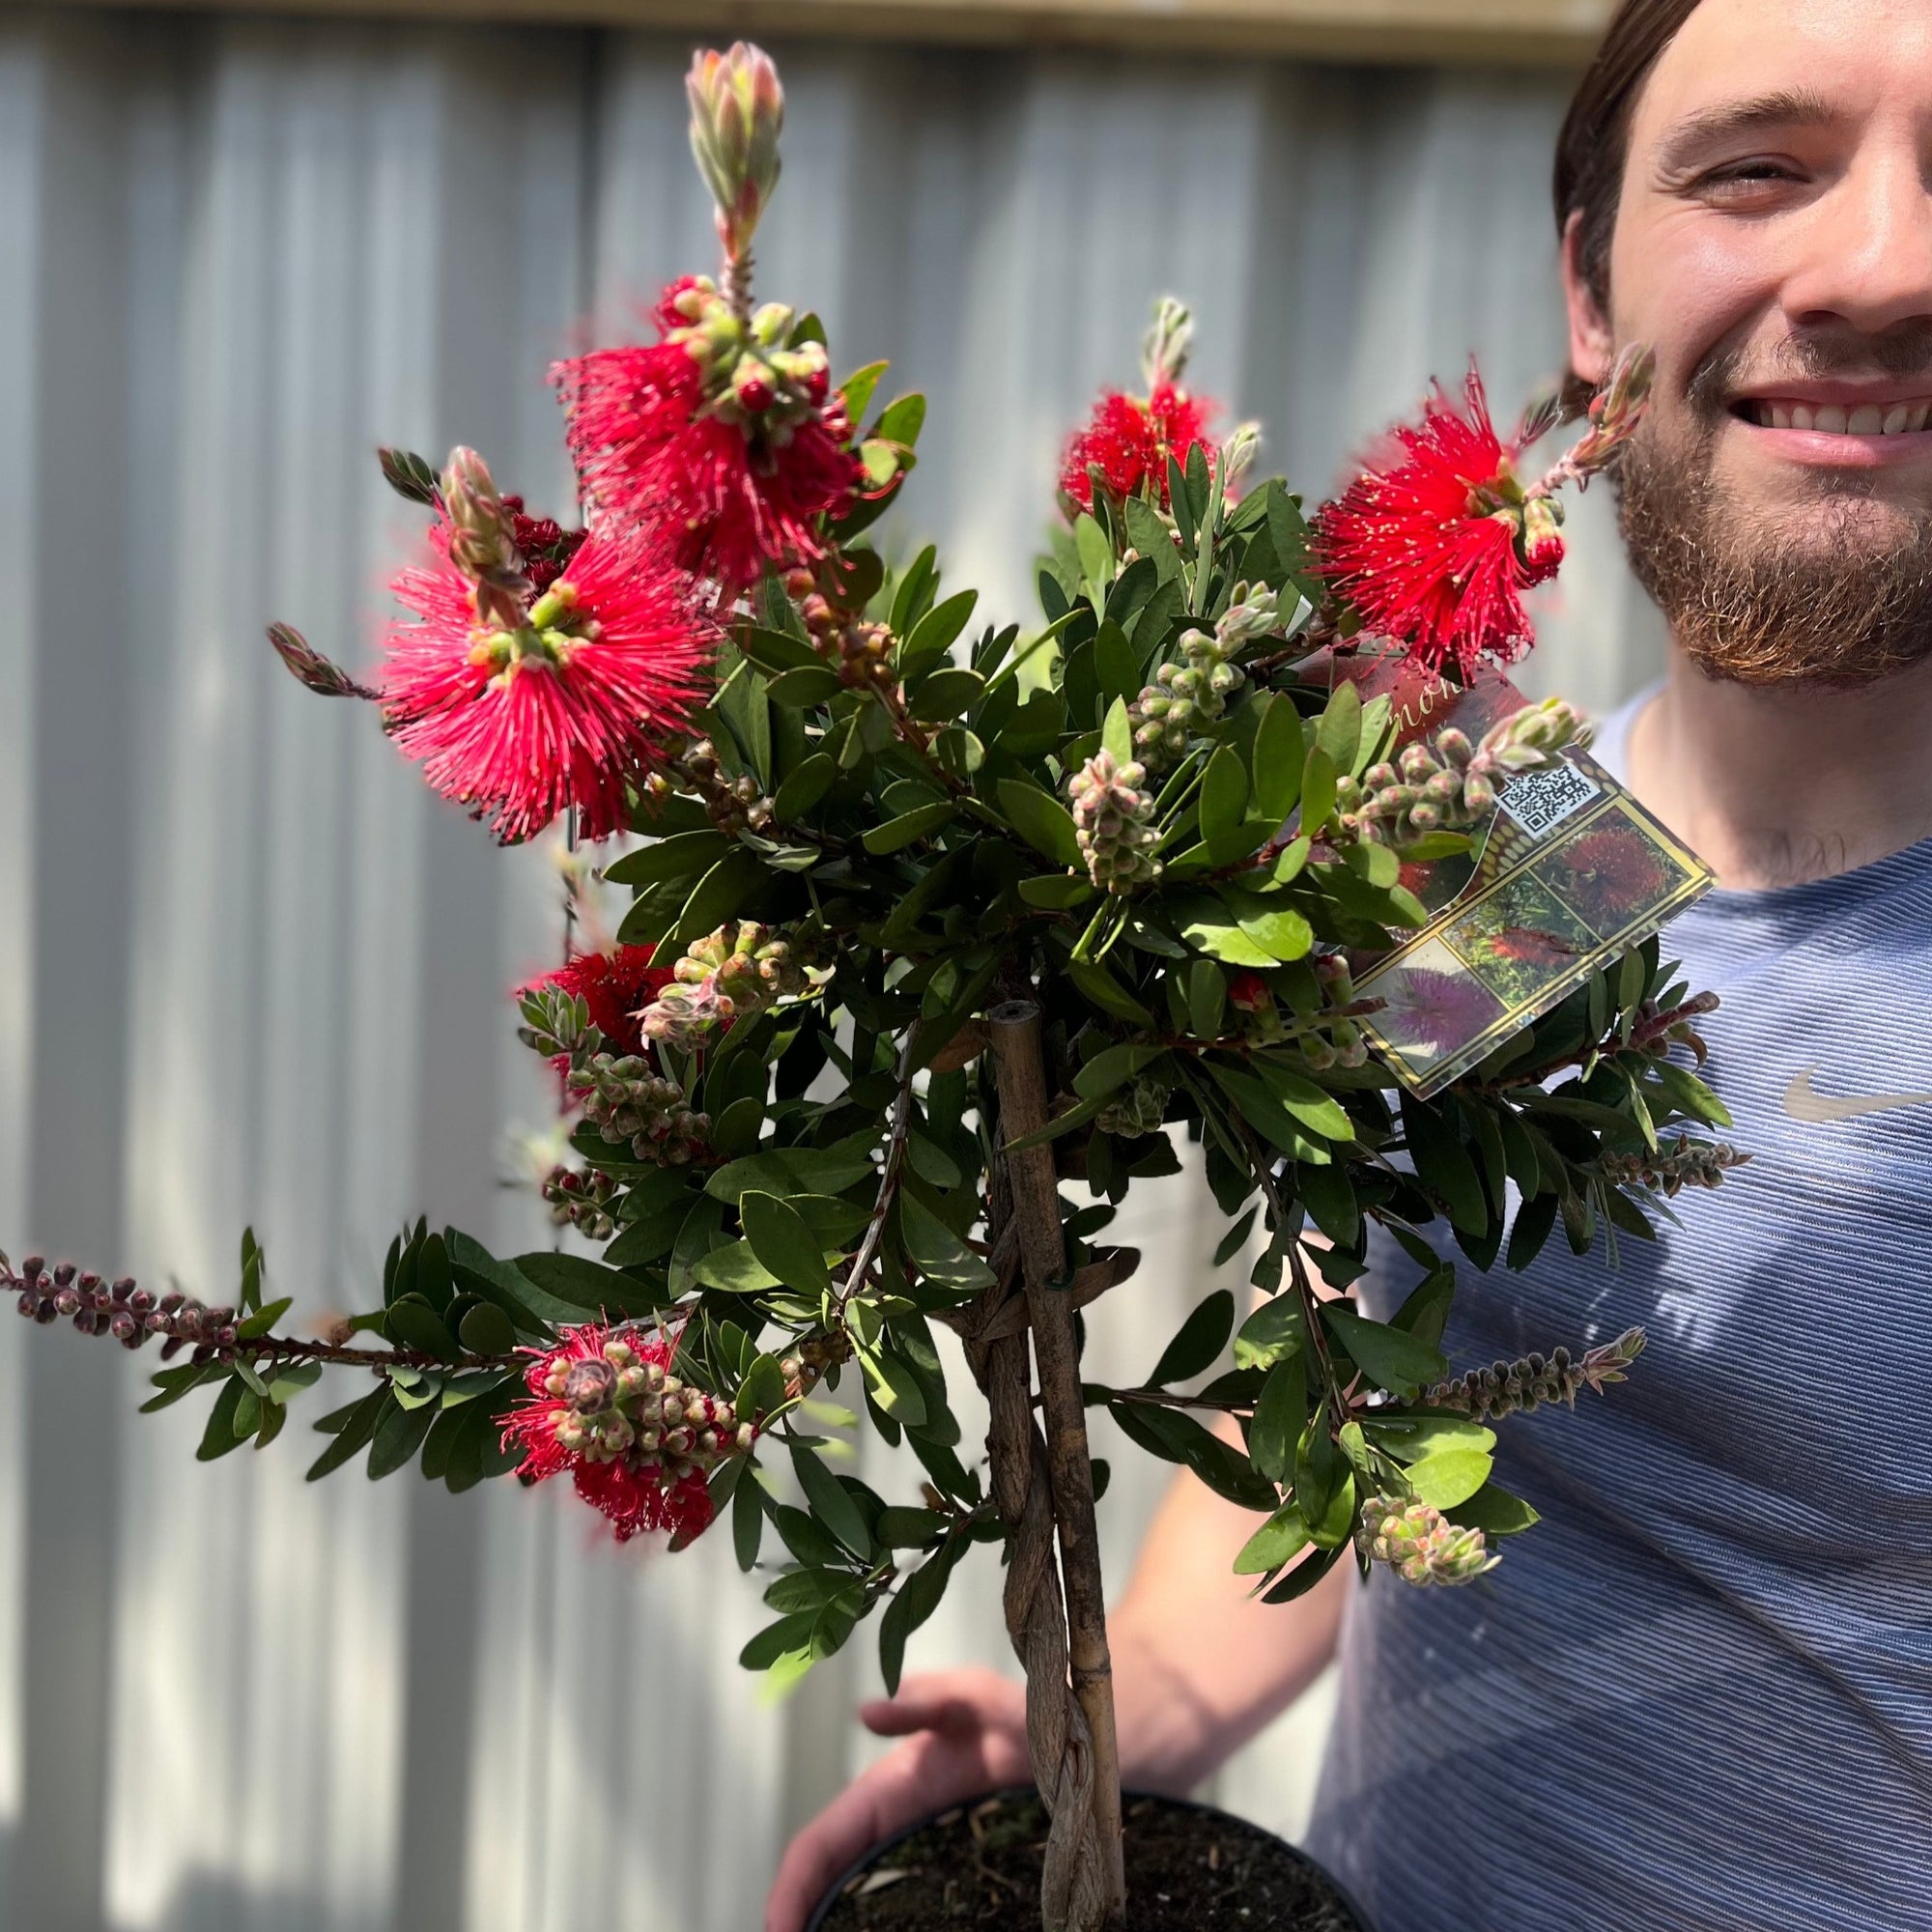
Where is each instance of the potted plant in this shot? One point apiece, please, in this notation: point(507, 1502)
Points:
point(935, 933)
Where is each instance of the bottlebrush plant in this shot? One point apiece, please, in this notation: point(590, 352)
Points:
point(939, 938)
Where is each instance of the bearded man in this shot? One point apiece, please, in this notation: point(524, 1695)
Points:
point(1699, 1697)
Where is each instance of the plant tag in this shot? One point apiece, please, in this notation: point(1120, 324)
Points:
point(1568, 874)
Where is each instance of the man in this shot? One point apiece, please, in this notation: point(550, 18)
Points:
point(1699, 1695)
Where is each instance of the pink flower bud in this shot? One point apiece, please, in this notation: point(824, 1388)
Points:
point(737, 109)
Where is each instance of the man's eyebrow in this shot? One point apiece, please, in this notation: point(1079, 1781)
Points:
point(1787, 107)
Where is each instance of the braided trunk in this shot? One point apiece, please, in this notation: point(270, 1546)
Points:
point(1056, 1617)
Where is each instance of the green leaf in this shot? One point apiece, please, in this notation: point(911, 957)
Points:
point(1113, 1067)
point(1318, 789)
point(1199, 1342)
point(355, 1429)
point(787, 1170)
point(1304, 1577)
point(910, 1529)
point(1393, 1360)
point(1276, 1330)
point(939, 629)
point(1152, 537)
point(1098, 982)
point(784, 1243)
point(1338, 731)
point(911, 1604)
point(1177, 1437)
point(1043, 821)
point(904, 829)
point(1425, 1314)
point(800, 689)
point(775, 651)
point(175, 1384)
point(1117, 733)
point(1207, 994)
point(1494, 1511)
point(1207, 925)
point(218, 1438)
point(416, 1325)
point(747, 1521)
point(1444, 1167)
point(486, 1330)
point(1224, 808)
point(585, 1286)
point(724, 892)
point(831, 1502)
point(1278, 756)
point(938, 1252)
point(1329, 1197)
point(399, 1434)
point(1060, 1123)
point(1281, 1413)
point(1056, 891)
point(1305, 1103)
point(1408, 1438)
point(1096, 554)
point(777, 1640)
point(894, 1386)
point(264, 1319)
point(803, 789)
point(857, 389)
point(946, 695)
point(1282, 1538)
point(1450, 1476)
point(1281, 932)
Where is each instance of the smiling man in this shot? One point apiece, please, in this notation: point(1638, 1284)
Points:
point(1698, 1698)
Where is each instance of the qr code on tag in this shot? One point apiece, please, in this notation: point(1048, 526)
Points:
point(1540, 800)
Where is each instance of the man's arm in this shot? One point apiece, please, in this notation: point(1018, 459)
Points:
point(1198, 1669)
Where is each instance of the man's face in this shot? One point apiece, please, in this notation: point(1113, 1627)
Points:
point(1773, 243)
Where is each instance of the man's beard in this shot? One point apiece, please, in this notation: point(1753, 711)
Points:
point(1844, 607)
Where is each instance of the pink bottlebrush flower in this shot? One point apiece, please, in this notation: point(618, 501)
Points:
point(615, 986)
point(518, 724)
point(1429, 546)
point(638, 1440)
point(720, 441)
point(1129, 441)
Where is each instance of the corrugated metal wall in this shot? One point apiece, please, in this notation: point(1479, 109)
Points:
point(249, 971)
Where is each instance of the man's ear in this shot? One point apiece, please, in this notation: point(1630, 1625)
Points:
point(1591, 345)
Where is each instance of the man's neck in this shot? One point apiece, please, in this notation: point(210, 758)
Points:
point(1775, 786)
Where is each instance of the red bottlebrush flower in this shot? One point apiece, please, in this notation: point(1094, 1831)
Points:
point(615, 986)
point(638, 1440)
point(714, 439)
point(518, 725)
point(1129, 442)
point(1430, 546)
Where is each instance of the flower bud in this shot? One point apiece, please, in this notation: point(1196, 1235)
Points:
point(1542, 535)
point(737, 109)
point(1164, 349)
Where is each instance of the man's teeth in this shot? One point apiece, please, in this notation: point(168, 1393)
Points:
point(1868, 419)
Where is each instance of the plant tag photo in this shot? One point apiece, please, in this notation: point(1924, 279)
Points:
point(1567, 873)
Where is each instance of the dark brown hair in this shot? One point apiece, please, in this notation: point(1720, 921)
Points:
point(1595, 141)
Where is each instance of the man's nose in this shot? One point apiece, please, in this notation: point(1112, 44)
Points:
point(1867, 257)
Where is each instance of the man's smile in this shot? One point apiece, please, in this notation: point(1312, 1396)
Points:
point(1840, 425)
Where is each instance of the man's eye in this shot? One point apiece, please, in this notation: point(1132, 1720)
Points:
point(1742, 180)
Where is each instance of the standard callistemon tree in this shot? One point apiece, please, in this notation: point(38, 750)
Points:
point(940, 938)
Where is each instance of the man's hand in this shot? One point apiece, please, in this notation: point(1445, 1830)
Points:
point(965, 1735)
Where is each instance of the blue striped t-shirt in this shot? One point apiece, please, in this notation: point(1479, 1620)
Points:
point(1697, 1697)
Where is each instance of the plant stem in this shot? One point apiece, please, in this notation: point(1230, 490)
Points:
point(1015, 1030)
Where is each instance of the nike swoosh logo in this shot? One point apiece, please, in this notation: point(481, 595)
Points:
point(1802, 1103)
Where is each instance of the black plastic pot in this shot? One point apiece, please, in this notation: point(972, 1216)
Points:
point(1340, 1912)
